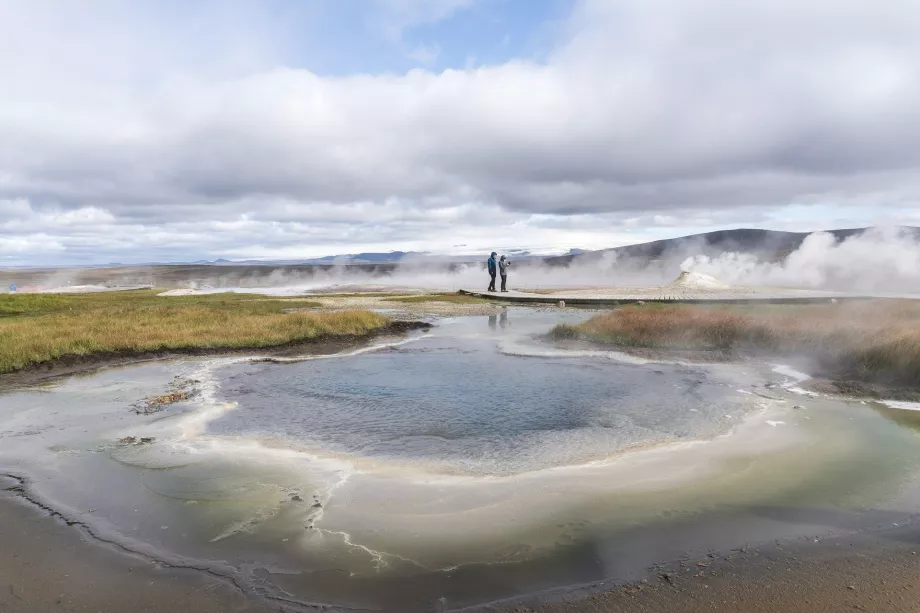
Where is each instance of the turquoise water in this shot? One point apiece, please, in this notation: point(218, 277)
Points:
point(456, 403)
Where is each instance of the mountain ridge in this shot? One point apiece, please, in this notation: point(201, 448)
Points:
point(771, 245)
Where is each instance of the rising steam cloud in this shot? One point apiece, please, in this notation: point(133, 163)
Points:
point(876, 261)
point(879, 260)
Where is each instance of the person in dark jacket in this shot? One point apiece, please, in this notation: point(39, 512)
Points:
point(493, 269)
point(503, 265)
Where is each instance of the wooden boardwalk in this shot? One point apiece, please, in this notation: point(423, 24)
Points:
point(614, 296)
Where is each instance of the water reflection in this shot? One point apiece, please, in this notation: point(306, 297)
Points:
point(903, 417)
point(499, 320)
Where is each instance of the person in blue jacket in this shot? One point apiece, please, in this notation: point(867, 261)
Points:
point(493, 269)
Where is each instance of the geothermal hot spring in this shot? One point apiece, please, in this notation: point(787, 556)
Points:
point(472, 464)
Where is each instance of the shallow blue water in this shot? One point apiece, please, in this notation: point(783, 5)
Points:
point(456, 403)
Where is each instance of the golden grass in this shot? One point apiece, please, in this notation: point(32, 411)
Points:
point(40, 328)
point(868, 340)
point(423, 298)
point(44, 304)
point(356, 295)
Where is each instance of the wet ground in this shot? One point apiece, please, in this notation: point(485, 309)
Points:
point(473, 464)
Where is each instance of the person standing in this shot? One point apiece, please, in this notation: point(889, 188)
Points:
point(503, 265)
point(493, 266)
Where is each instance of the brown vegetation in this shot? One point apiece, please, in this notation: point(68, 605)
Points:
point(869, 340)
point(157, 403)
point(40, 328)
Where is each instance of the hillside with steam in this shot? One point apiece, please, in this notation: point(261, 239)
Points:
point(766, 245)
point(859, 260)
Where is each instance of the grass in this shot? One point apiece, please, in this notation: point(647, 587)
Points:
point(355, 295)
point(876, 341)
point(46, 304)
point(445, 297)
point(39, 328)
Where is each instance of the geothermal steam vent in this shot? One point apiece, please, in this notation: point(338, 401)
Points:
point(697, 280)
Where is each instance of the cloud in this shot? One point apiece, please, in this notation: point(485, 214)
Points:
point(283, 229)
point(393, 17)
point(664, 220)
point(426, 55)
point(650, 109)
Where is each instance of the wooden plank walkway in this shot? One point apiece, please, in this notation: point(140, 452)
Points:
point(623, 296)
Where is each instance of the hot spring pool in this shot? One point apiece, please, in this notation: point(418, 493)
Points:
point(473, 463)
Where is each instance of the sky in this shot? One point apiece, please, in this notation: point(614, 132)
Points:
point(282, 129)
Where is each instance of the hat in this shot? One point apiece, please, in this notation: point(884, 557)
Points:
point(493, 253)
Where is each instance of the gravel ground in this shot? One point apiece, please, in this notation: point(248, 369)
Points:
point(410, 310)
point(875, 571)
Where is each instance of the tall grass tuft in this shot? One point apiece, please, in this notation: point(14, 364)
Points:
point(868, 340)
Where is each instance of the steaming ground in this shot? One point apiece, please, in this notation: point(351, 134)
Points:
point(883, 263)
point(877, 262)
point(687, 286)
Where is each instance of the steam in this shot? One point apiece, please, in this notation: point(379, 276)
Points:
point(878, 260)
point(608, 270)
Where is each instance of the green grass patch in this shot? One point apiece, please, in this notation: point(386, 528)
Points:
point(37, 328)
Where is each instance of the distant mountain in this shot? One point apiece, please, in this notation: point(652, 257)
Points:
point(770, 245)
point(392, 256)
point(355, 258)
point(204, 262)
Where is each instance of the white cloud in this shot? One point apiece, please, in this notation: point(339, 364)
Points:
point(426, 55)
point(393, 17)
point(28, 244)
point(665, 220)
point(652, 112)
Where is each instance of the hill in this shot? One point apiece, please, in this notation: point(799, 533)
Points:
point(769, 245)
